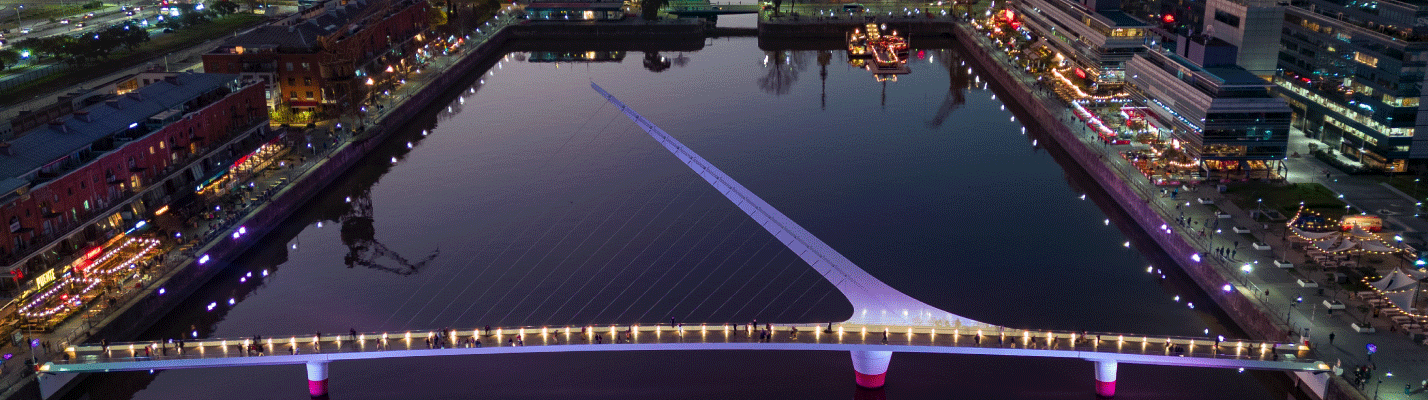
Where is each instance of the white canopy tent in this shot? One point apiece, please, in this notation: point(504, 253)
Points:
point(1403, 300)
point(1394, 281)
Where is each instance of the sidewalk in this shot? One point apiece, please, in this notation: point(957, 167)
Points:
point(1399, 360)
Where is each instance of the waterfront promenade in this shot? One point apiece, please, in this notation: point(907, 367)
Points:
point(1283, 304)
point(331, 145)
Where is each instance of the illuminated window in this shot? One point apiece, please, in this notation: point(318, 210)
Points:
point(1366, 59)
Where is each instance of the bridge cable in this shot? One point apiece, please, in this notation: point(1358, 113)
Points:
point(751, 280)
point(661, 255)
point(562, 262)
point(552, 249)
point(727, 277)
point(512, 222)
point(690, 271)
point(508, 246)
point(780, 293)
point(636, 258)
point(606, 199)
point(606, 264)
point(826, 292)
point(676, 264)
point(588, 258)
point(795, 300)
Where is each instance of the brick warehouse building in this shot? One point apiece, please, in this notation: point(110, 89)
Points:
point(324, 59)
point(73, 183)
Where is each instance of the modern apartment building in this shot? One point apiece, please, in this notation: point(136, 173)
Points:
point(1092, 37)
point(1353, 72)
point(1220, 117)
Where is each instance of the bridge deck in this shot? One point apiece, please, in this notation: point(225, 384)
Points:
point(1156, 350)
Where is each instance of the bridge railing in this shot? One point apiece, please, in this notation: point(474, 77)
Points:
point(1197, 347)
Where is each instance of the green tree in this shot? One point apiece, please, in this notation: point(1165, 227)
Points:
point(649, 9)
point(134, 35)
point(436, 16)
point(225, 7)
point(9, 57)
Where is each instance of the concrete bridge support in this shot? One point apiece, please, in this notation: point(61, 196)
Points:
point(1105, 378)
point(870, 368)
point(317, 378)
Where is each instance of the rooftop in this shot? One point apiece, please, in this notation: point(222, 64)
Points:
point(304, 32)
point(1235, 76)
point(1123, 20)
point(47, 144)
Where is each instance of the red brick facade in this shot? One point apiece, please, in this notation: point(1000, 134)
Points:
point(61, 204)
point(322, 74)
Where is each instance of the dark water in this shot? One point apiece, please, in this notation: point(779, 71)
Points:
point(539, 204)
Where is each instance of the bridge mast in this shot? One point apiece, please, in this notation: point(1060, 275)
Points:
point(874, 302)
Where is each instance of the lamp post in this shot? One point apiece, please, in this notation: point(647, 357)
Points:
point(1399, 239)
point(1260, 206)
point(1247, 269)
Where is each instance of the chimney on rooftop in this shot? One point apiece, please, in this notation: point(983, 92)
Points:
point(5, 148)
point(136, 96)
point(172, 79)
point(83, 115)
point(113, 103)
point(59, 126)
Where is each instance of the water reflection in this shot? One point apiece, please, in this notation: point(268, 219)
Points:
point(655, 62)
point(781, 69)
point(958, 82)
point(363, 248)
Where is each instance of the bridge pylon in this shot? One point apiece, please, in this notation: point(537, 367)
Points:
point(870, 368)
point(317, 378)
point(1105, 378)
point(874, 302)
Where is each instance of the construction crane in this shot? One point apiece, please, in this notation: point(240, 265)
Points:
point(957, 80)
point(363, 249)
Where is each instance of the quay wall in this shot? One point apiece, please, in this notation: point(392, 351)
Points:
point(149, 307)
point(1251, 318)
point(141, 313)
point(812, 27)
point(682, 28)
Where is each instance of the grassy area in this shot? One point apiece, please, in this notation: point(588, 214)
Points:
point(1405, 184)
point(194, 35)
point(1286, 198)
point(18, 70)
point(157, 47)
